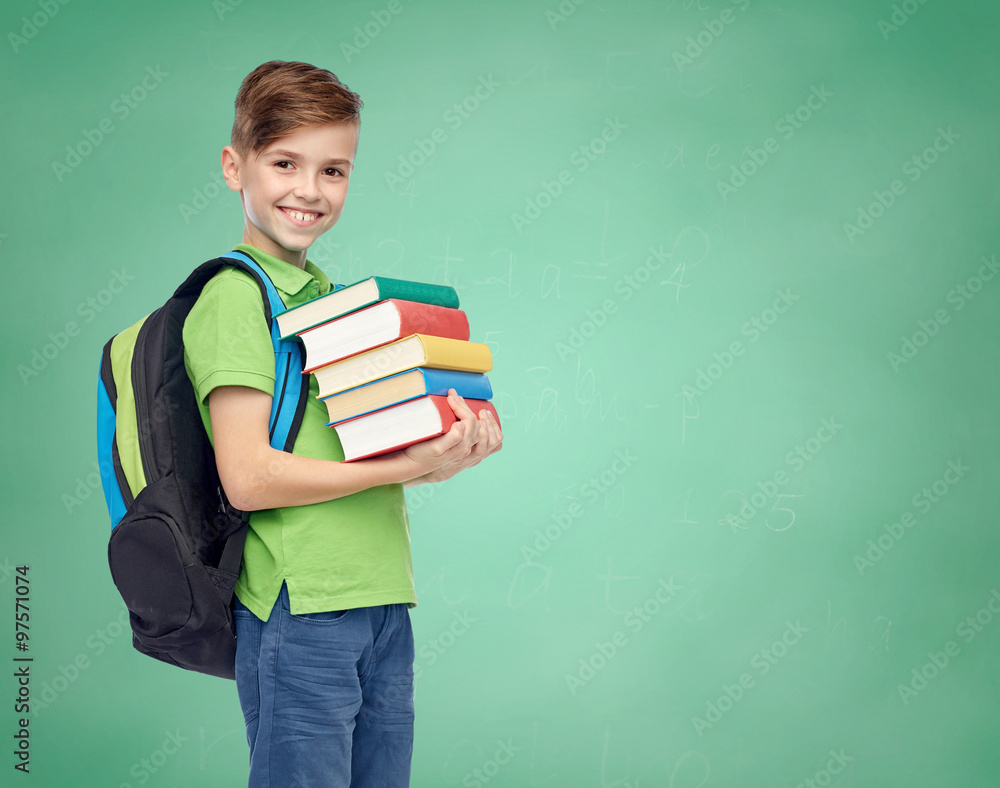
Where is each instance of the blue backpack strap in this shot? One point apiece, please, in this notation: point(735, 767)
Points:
point(291, 389)
point(107, 449)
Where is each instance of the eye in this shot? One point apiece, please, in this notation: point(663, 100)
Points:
point(283, 164)
point(333, 171)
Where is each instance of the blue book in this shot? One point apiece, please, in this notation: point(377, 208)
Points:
point(403, 386)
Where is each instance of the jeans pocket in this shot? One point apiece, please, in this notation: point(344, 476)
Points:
point(326, 617)
point(248, 628)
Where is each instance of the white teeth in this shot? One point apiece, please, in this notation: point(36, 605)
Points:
point(302, 217)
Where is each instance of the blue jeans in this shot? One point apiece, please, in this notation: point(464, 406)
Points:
point(327, 697)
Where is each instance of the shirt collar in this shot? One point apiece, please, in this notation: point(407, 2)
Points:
point(289, 279)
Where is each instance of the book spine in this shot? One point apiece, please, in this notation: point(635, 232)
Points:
point(448, 415)
point(455, 354)
point(441, 295)
point(473, 385)
point(334, 422)
point(438, 321)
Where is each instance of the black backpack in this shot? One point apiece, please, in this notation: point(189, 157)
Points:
point(176, 542)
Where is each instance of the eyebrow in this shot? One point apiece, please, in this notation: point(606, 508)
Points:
point(290, 155)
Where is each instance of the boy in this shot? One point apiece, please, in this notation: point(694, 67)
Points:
point(324, 647)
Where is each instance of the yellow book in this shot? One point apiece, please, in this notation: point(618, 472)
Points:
point(416, 350)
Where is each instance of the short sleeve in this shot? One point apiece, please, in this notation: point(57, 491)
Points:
point(226, 339)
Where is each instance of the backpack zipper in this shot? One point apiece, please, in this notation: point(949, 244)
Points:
point(149, 468)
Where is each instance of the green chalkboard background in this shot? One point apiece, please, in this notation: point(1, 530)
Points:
point(737, 265)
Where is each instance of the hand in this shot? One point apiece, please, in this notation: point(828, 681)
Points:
point(456, 443)
point(490, 440)
point(482, 435)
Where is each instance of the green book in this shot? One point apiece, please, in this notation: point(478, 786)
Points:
point(361, 294)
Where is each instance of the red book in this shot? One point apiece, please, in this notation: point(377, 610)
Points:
point(399, 426)
point(377, 325)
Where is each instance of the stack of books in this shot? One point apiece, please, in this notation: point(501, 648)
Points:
point(385, 352)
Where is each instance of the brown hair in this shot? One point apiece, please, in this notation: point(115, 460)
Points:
point(279, 98)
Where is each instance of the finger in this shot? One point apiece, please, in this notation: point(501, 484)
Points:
point(489, 427)
point(458, 403)
point(461, 408)
point(497, 441)
point(469, 430)
point(488, 439)
point(487, 436)
point(495, 433)
point(471, 422)
point(452, 438)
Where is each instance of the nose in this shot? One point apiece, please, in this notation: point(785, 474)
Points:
point(307, 187)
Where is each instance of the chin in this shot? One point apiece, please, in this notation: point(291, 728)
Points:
point(292, 245)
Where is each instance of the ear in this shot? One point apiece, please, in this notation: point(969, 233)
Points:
point(231, 164)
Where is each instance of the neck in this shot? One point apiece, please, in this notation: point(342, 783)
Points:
point(298, 259)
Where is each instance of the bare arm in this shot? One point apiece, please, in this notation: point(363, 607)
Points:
point(256, 476)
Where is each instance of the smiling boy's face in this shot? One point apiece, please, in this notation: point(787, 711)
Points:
point(294, 190)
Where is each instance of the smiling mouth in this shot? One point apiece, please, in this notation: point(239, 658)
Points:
point(301, 217)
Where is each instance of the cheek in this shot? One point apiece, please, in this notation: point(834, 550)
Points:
point(334, 217)
point(261, 201)
point(254, 211)
point(337, 203)
point(340, 197)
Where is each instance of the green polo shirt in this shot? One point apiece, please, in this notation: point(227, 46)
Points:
point(335, 555)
